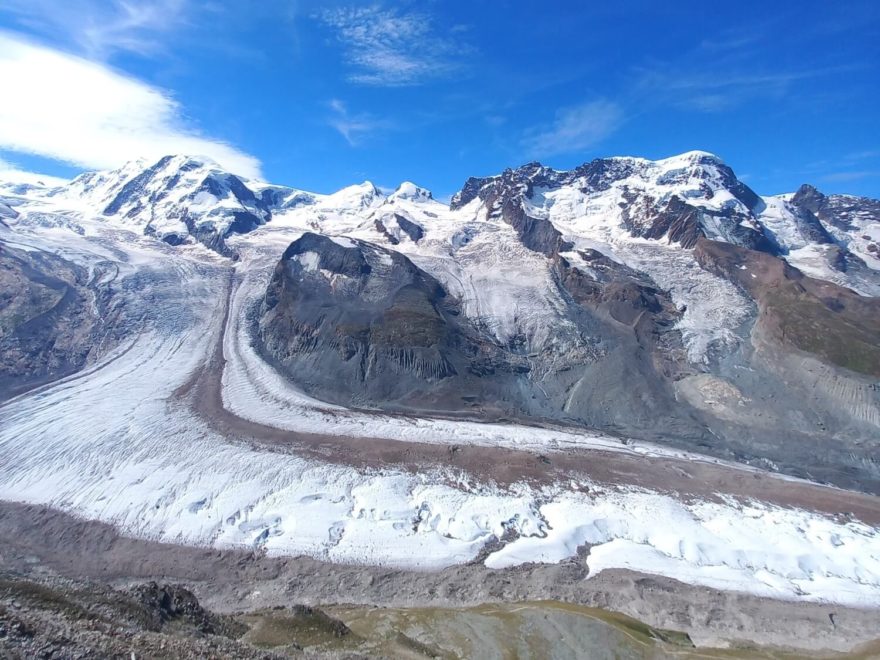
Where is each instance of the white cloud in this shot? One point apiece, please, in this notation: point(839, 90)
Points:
point(353, 127)
point(575, 129)
point(100, 28)
point(67, 108)
point(838, 177)
point(11, 173)
point(724, 72)
point(393, 48)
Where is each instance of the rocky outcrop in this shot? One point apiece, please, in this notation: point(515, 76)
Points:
point(624, 295)
point(411, 229)
point(810, 227)
point(46, 328)
point(851, 217)
point(358, 324)
point(339, 311)
point(503, 197)
point(7, 211)
point(394, 227)
point(840, 211)
point(63, 618)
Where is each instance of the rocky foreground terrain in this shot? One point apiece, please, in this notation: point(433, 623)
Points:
point(633, 368)
point(246, 605)
point(68, 619)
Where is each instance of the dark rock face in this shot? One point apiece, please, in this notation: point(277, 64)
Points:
point(414, 231)
point(362, 314)
point(7, 211)
point(504, 196)
point(382, 229)
point(537, 234)
point(685, 223)
point(809, 199)
point(837, 210)
point(64, 618)
point(816, 212)
point(392, 225)
point(170, 603)
point(628, 298)
point(469, 192)
point(46, 330)
point(810, 227)
point(678, 221)
point(628, 294)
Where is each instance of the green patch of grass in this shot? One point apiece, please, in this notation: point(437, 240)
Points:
point(301, 627)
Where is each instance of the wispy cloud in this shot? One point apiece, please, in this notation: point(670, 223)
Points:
point(575, 129)
point(391, 47)
point(98, 29)
point(843, 177)
point(723, 87)
point(857, 156)
point(353, 127)
point(725, 71)
point(84, 113)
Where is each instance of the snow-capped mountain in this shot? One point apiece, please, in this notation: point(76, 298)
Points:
point(597, 296)
point(371, 376)
point(676, 200)
point(178, 199)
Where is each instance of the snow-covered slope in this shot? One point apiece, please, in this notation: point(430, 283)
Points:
point(567, 272)
point(178, 199)
point(608, 201)
point(835, 238)
point(508, 246)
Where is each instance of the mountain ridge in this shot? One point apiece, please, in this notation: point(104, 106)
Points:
point(680, 197)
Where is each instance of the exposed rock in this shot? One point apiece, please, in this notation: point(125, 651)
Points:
point(55, 618)
point(644, 214)
point(827, 320)
point(347, 311)
point(358, 324)
point(810, 227)
point(46, 330)
point(7, 211)
point(168, 603)
point(414, 231)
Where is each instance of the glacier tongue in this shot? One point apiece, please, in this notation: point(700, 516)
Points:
point(120, 442)
point(140, 460)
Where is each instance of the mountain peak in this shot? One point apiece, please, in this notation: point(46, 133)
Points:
point(410, 191)
point(690, 159)
point(807, 189)
point(357, 196)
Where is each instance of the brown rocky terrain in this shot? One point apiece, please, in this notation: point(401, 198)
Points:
point(810, 315)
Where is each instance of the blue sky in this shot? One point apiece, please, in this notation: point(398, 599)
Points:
point(319, 95)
